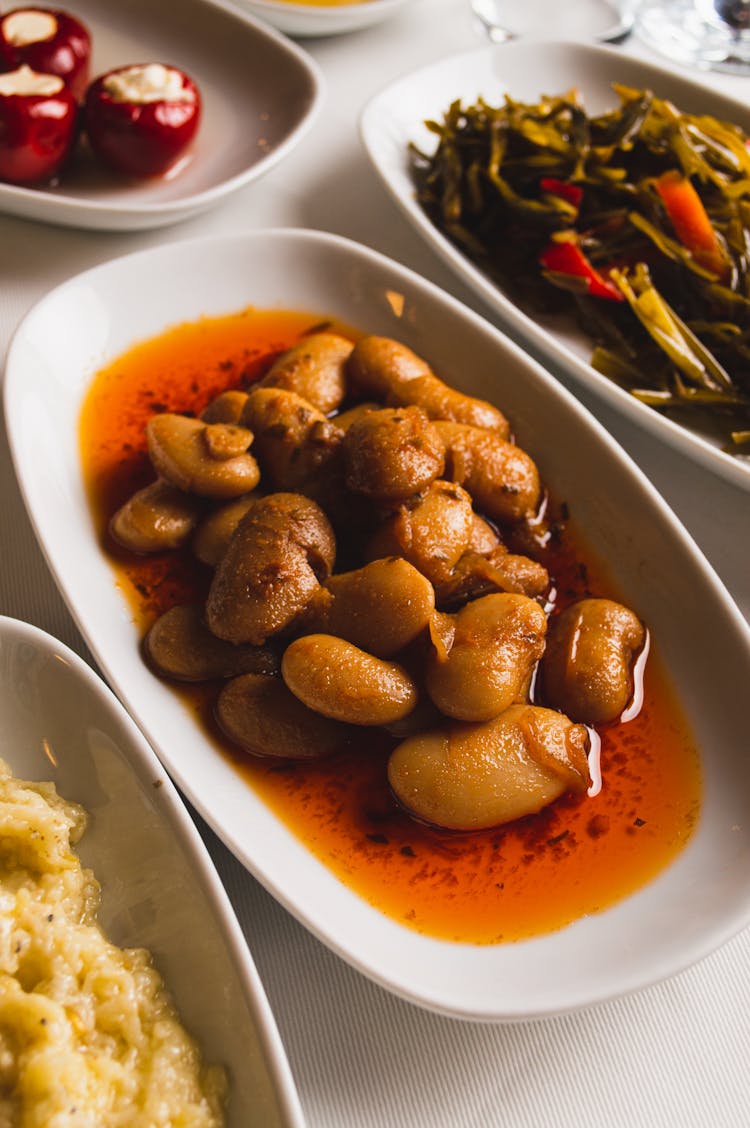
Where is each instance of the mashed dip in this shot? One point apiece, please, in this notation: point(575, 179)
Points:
point(88, 1035)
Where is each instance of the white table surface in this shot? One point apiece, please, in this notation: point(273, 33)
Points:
point(674, 1055)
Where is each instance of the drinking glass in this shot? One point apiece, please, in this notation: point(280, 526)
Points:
point(712, 34)
point(606, 21)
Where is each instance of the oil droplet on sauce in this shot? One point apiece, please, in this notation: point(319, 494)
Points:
point(579, 856)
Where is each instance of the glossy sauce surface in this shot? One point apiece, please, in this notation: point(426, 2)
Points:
point(579, 856)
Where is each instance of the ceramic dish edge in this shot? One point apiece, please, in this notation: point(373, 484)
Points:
point(312, 21)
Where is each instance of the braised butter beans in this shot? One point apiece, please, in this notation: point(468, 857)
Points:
point(501, 478)
point(214, 532)
point(432, 531)
point(179, 645)
point(392, 454)
point(365, 526)
point(226, 408)
point(293, 439)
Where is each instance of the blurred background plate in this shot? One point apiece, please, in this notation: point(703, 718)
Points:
point(260, 95)
point(310, 20)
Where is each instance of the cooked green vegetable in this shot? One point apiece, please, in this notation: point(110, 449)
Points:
point(637, 221)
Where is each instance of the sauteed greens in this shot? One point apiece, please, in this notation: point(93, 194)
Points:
point(636, 220)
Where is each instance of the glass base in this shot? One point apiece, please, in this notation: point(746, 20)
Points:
point(692, 32)
point(505, 20)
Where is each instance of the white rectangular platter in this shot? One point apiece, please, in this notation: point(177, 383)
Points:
point(700, 635)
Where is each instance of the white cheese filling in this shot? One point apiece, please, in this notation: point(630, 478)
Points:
point(151, 83)
point(28, 26)
point(28, 82)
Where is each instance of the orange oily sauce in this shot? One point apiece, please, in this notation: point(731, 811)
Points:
point(579, 856)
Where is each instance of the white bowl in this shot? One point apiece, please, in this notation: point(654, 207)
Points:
point(159, 888)
point(311, 20)
point(693, 905)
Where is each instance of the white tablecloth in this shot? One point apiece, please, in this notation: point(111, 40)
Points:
point(674, 1055)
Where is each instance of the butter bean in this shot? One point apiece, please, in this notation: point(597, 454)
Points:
point(499, 570)
point(497, 640)
point(214, 532)
point(225, 408)
point(293, 440)
point(380, 608)
point(259, 714)
point(392, 454)
point(209, 459)
point(470, 777)
point(432, 531)
point(156, 518)
point(483, 536)
point(344, 419)
point(179, 645)
point(588, 667)
point(314, 369)
point(502, 479)
point(280, 551)
point(338, 680)
point(389, 371)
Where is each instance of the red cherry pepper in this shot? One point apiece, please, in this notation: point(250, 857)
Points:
point(37, 126)
point(568, 258)
point(141, 134)
point(50, 42)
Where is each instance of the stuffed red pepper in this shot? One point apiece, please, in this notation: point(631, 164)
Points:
point(140, 119)
point(50, 42)
point(38, 115)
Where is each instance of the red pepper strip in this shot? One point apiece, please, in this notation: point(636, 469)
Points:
point(691, 223)
point(570, 192)
point(568, 258)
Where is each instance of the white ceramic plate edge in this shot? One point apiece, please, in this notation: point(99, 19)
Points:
point(387, 152)
point(144, 764)
point(377, 968)
point(310, 21)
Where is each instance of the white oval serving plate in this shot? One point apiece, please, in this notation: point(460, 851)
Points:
point(313, 20)
point(260, 95)
point(699, 901)
point(160, 890)
point(395, 118)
